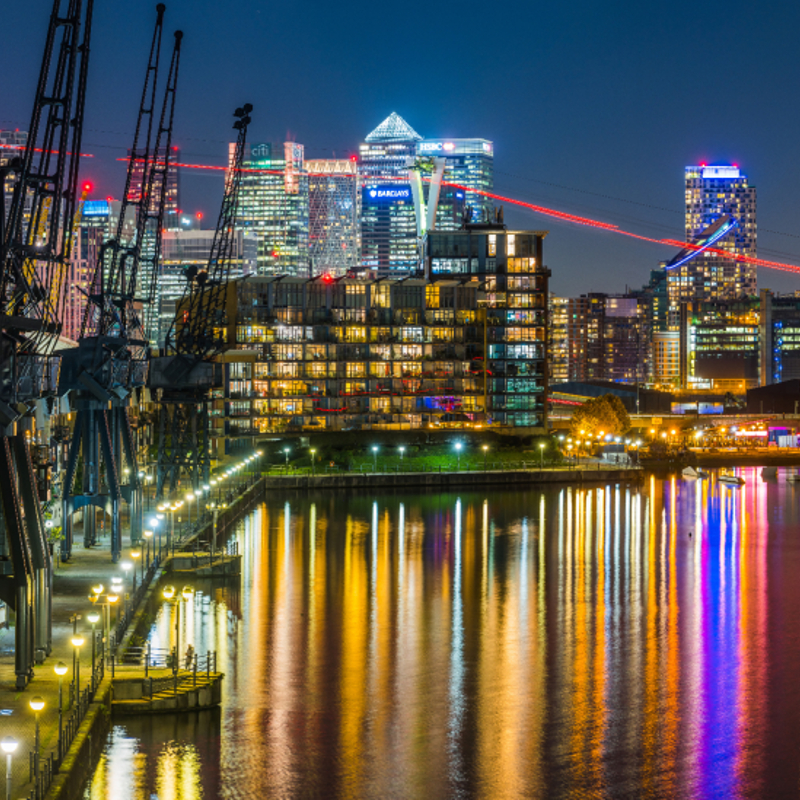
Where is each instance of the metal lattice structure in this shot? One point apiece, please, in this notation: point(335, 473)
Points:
point(112, 354)
point(35, 242)
point(186, 375)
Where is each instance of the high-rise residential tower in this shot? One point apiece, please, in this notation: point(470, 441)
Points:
point(389, 243)
point(720, 215)
point(334, 215)
point(273, 204)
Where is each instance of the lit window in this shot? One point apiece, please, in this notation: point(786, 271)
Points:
point(512, 244)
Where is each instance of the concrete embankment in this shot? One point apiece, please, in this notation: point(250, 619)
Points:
point(451, 480)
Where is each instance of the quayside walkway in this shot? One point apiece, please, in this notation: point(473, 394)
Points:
point(86, 685)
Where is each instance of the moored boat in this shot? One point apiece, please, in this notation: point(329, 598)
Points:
point(729, 479)
point(769, 472)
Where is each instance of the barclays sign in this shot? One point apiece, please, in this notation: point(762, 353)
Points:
point(391, 193)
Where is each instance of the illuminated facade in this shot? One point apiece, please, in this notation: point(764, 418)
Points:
point(720, 214)
point(273, 205)
point(469, 163)
point(510, 265)
point(608, 338)
point(780, 337)
point(720, 345)
point(172, 202)
point(12, 145)
point(334, 213)
point(351, 354)
point(181, 249)
point(558, 342)
point(97, 225)
point(389, 242)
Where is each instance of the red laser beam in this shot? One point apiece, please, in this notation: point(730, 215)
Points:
point(40, 150)
point(553, 213)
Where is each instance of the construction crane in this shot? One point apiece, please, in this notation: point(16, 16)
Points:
point(187, 372)
point(34, 252)
point(110, 360)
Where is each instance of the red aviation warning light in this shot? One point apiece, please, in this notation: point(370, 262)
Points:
point(199, 215)
point(87, 187)
point(327, 277)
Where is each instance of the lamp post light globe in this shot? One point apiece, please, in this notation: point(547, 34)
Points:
point(9, 745)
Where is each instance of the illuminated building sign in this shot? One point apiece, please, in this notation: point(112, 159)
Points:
point(436, 147)
point(260, 152)
point(96, 208)
point(457, 147)
point(387, 193)
point(720, 172)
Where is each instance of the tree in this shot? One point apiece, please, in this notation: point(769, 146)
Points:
point(605, 415)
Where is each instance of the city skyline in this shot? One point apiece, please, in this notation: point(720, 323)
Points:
point(590, 108)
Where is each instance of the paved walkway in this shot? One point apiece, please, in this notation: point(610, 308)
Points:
point(72, 586)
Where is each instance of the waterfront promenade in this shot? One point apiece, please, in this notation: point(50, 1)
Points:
point(72, 583)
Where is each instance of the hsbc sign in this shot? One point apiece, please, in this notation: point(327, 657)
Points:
point(436, 147)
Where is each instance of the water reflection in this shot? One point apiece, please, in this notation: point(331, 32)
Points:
point(576, 642)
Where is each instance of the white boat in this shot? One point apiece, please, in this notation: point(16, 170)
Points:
point(793, 477)
point(692, 472)
point(730, 479)
point(769, 472)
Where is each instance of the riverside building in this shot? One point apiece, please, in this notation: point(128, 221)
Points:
point(458, 348)
point(720, 215)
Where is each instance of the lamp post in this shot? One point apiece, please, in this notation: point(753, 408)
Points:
point(485, 450)
point(61, 671)
point(77, 643)
point(313, 453)
point(112, 599)
point(541, 454)
point(402, 450)
point(94, 618)
point(9, 745)
point(458, 456)
point(189, 498)
point(286, 453)
point(169, 593)
point(374, 458)
point(148, 535)
point(37, 704)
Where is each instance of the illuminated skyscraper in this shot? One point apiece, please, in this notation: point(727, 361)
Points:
point(470, 163)
point(273, 204)
point(389, 243)
point(172, 202)
point(720, 214)
point(334, 215)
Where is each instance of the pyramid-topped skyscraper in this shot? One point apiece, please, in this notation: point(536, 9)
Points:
point(389, 244)
point(394, 129)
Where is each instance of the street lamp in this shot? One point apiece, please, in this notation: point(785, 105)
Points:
point(458, 456)
point(374, 458)
point(313, 453)
point(189, 498)
point(9, 745)
point(61, 671)
point(169, 594)
point(402, 452)
point(148, 535)
point(94, 618)
point(541, 454)
point(286, 453)
point(485, 451)
point(37, 704)
point(77, 643)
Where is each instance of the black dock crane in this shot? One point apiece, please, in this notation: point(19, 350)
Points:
point(186, 374)
point(111, 358)
point(34, 254)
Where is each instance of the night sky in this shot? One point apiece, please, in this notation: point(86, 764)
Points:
point(595, 108)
